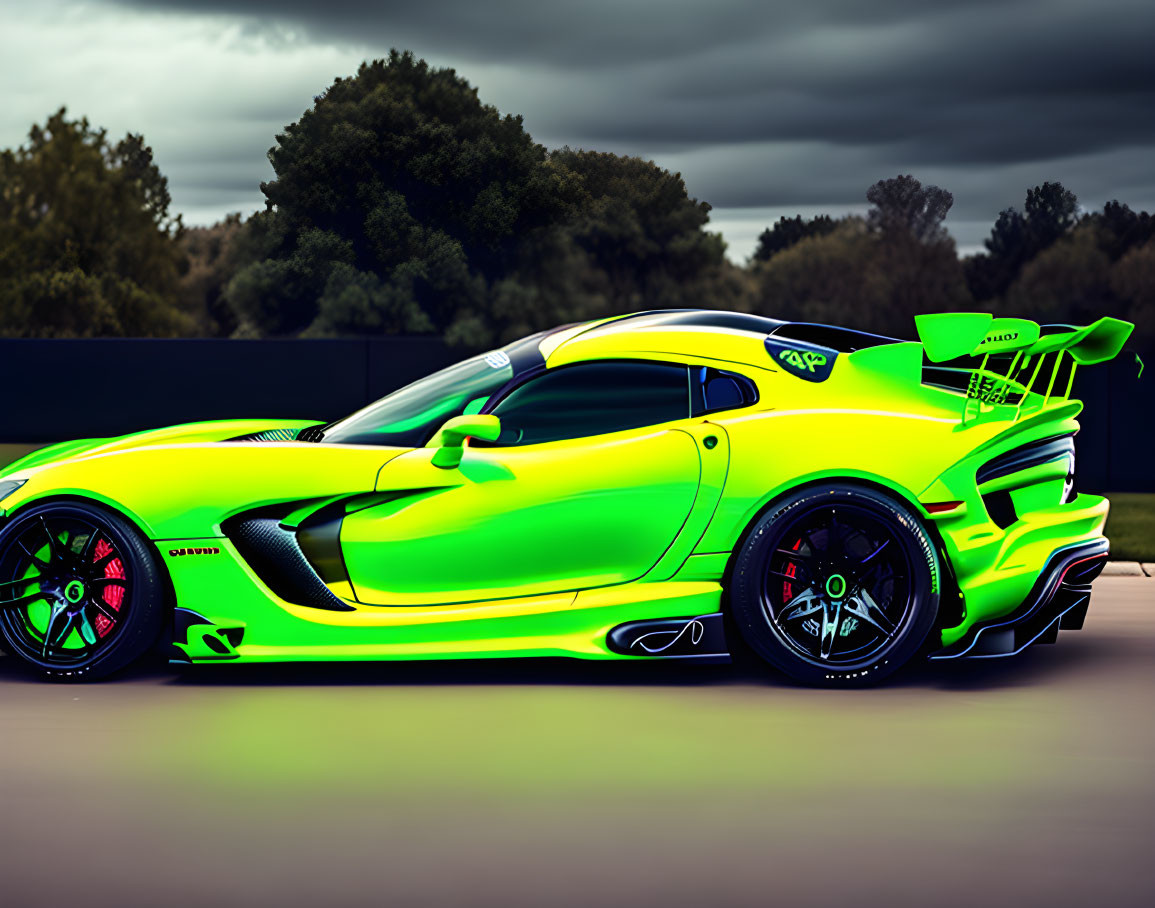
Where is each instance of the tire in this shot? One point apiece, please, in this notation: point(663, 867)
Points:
point(81, 592)
point(836, 586)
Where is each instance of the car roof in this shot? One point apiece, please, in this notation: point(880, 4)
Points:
point(737, 336)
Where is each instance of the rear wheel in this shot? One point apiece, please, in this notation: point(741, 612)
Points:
point(80, 592)
point(836, 586)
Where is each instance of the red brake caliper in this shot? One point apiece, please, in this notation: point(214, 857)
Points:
point(787, 586)
point(113, 594)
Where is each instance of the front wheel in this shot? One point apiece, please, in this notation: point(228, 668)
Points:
point(81, 595)
point(836, 586)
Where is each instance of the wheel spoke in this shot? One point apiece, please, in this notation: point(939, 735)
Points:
point(831, 622)
point(54, 553)
point(87, 630)
point(874, 569)
point(65, 631)
point(20, 580)
point(90, 546)
point(54, 638)
point(23, 600)
point(100, 563)
point(834, 540)
point(102, 608)
point(40, 563)
point(875, 552)
point(103, 582)
point(796, 558)
point(805, 603)
point(862, 605)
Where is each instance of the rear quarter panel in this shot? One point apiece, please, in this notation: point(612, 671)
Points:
point(863, 423)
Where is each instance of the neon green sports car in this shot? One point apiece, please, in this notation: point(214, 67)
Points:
point(669, 485)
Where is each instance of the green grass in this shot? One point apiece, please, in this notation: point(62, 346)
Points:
point(1131, 526)
point(11, 452)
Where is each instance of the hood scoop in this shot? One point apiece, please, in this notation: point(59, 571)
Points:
point(268, 435)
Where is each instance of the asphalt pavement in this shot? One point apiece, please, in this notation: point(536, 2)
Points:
point(1008, 782)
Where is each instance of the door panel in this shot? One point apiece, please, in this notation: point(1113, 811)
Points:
point(523, 521)
point(714, 450)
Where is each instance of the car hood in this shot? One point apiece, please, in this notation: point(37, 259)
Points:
point(188, 433)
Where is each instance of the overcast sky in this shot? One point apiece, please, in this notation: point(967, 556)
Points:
point(767, 107)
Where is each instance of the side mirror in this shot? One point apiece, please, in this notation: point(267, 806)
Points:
point(451, 437)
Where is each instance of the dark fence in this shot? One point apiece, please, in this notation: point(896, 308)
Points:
point(61, 389)
point(1116, 444)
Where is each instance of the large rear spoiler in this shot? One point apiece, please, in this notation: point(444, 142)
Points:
point(953, 335)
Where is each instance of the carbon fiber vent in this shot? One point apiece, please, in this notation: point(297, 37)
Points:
point(311, 433)
point(275, 556)
point(268, 435)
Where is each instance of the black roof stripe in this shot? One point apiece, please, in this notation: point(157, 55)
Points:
point(844, 340)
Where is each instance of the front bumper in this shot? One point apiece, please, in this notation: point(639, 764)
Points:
point(1057, 601)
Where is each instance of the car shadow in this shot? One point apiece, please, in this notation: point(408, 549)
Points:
point(1036, 666)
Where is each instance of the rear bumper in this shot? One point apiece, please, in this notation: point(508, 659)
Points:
point(1058, 600)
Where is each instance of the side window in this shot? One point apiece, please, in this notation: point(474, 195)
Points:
point(593, 399)
point(714, 390)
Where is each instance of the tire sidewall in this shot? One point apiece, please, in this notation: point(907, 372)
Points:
point(145, 596)
point(748, 577)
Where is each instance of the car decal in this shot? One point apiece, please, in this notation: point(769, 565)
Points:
point(809, 361)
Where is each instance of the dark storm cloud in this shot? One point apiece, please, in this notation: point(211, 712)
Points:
point(765, 102)
point(985, 81)
point(578, 33)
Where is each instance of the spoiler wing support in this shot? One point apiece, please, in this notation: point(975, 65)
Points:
point(951, 335)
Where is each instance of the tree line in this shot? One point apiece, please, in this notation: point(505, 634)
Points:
point(402, 204)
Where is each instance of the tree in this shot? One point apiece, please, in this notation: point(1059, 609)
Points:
point(403, 204)
point(787, 232)
point(1051, 210)
point(1066, 283)
point(1121, 229)
point(212, 255)
point(640, 228)
point(835, 278)
point(87, 245)
point(902, 208)
point(915, 249)
point(635, 241)
point(1016, 238)
point(1133, 282)
point(399, 199)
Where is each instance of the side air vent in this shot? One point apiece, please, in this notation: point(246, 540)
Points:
point(276, 557)
point(1030, 455)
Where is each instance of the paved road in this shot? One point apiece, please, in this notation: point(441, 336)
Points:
point(1008, 783)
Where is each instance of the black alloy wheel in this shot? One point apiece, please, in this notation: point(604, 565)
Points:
point(80, 593)
point(836, 586)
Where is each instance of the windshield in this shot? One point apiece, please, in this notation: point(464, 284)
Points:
point(408, 418)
